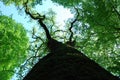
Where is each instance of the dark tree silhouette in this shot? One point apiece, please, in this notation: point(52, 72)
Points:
point(64, 62)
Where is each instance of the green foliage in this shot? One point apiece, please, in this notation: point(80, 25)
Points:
point(21, 2)
point(13, 46)
point(97, 30)
point(67, 3)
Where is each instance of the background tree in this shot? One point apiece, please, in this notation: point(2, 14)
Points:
point(13, 46)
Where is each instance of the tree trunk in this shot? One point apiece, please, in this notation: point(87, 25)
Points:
point(67, 63)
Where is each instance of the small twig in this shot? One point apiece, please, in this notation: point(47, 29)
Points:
point(117, 29)
point(38, 48)
point(37, 37)
point(28, 60)
point(59, 31)
point(116, 11)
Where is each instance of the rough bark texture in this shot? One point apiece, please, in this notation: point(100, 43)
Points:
point(66, 63)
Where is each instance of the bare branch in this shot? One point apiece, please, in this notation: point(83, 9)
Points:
point(72, 24)
point(39, 17)
point(37, 37)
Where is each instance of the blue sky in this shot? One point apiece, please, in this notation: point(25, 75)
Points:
point(62, 13)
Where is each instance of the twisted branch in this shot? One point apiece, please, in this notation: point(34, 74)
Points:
point(72, 24)
point(38, 17)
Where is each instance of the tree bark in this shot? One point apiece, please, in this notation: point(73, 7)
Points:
point(67, 63)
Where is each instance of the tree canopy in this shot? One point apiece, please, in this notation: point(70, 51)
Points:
point(13, 46)
point(95, 29)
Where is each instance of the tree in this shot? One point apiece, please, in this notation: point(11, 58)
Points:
point(13, 46)
point(95, 30)
point(99, 29)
